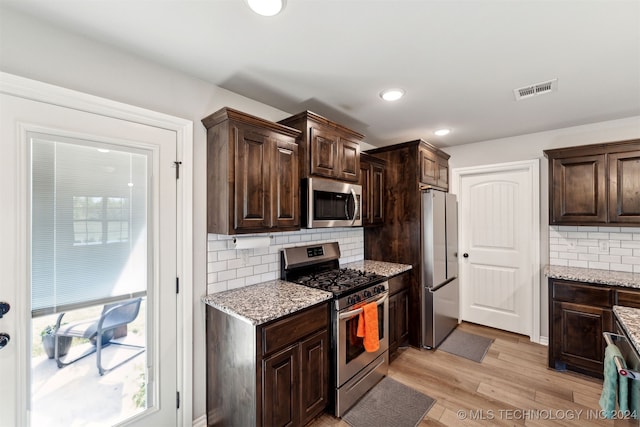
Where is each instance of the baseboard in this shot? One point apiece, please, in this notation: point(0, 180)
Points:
point(200, 421)
point(544, 341)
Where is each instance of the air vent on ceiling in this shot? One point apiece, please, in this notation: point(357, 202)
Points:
point(536, 89)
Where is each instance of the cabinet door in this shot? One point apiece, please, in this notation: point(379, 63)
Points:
point(252, 178)
point(280, 382)
point(365, 182)
point(428, 167)
point(393, 330)
point(402, 317)
point(443, 173)
point(624, 187)
point(578, 191)
point(377, 194)
point(348, 160)
point(314, 375)
point(286, 205)
point(324, 153)
point(577, 336)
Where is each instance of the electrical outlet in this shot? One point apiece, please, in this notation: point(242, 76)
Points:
point(603, 245)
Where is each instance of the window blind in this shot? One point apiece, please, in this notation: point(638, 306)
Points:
point(89, 223)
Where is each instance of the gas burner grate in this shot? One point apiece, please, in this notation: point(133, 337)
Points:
point(339, 280)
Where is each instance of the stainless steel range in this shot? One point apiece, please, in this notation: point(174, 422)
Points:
point(354, 370)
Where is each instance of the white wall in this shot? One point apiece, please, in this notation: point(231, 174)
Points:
point(531, 146)
point(31, 49)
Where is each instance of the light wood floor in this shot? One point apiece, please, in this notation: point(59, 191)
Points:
point(512, 377)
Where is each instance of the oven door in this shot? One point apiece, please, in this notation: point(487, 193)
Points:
point(352, 357)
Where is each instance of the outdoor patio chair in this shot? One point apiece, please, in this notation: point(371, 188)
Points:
point(101, 330)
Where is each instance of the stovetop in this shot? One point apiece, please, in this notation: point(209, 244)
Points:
point(340, 281)
point(318, 266)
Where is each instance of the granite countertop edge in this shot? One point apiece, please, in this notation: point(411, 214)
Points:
point(591, 275)
point(629, 318)
point(266, 301)
point(383, 268)
point(271, 300)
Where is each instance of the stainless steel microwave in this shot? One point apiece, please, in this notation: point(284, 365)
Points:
point(328, 203)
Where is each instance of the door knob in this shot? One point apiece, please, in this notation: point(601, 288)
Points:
point(466, 255)
point(4, 339)
point(4, 308)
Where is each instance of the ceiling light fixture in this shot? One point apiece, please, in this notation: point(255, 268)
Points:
point(392, 94)
point(266, 7)
point(442, 132)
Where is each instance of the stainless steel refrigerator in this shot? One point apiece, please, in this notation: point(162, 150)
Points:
point(440, 286)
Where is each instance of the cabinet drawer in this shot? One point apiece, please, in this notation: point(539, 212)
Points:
point(398, 283)
point(281, 333)
point(629, 298)
point(583, 294)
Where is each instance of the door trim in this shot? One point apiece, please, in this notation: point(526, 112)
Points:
point(533, 168)
point(42, 92)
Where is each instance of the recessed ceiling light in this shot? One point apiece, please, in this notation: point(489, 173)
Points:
point(392, 94)
point(266, 7)
point(442, 132)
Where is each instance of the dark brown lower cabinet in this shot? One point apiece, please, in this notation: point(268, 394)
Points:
point(274, 374)
point(398, 313)
point(578, 315)
point(578, 341)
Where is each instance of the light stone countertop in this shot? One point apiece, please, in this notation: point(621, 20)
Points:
point(591, 275)
point(388, 269)
point(630, 320)
point(261, 303)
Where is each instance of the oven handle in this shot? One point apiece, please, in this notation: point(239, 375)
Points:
point(622, 369)
point(352, 313)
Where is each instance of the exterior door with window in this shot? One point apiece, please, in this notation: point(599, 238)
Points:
point(88, 219)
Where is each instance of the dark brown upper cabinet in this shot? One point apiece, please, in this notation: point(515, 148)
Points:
point(252, 174)
point(595, 184)
point(624, 187)
point(327, 149)
point(372, 180)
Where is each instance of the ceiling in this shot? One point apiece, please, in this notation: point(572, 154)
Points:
point(458, 61)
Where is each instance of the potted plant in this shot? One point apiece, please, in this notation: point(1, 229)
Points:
point(48, 335)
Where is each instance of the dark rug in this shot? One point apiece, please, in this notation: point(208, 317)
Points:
point(464, 344)
point(389, 403)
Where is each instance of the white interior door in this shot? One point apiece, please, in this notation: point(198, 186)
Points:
point(20, 120)
point(497, 232)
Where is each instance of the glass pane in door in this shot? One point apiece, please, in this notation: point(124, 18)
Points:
point(89, 280)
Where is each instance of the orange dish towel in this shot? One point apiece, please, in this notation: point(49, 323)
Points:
point(368, 327)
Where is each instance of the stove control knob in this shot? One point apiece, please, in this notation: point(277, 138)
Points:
point(367, 294)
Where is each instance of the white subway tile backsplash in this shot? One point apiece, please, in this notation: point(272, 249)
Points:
point(234, 268)
point(607, 248)
point(621, 251)
point(588, 257)
point(598, 235)
point(583, 264)
point(622, 267)
point(599, 265)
